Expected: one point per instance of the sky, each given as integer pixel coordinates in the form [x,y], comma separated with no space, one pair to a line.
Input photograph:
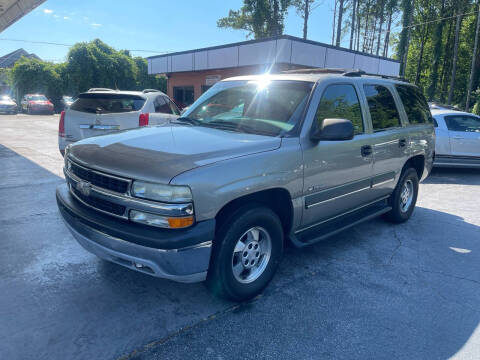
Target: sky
[155,25]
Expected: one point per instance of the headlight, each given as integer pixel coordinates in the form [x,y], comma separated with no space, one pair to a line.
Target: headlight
[160,192]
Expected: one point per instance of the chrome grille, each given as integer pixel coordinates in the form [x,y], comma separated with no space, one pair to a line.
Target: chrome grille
[100,204]
[100,180]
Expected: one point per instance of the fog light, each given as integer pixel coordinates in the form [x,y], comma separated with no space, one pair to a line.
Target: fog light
[160,221]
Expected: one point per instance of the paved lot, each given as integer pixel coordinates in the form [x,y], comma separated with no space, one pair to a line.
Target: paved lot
[377,291]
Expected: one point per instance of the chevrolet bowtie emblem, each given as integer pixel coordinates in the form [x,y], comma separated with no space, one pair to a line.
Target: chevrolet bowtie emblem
[84,187]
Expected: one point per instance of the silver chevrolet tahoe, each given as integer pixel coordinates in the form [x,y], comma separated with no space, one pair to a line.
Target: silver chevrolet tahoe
[256,163]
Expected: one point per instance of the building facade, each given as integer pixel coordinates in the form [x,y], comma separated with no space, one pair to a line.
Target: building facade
[191,73]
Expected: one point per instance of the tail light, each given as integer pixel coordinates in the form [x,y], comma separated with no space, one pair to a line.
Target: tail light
[61,125]
[143,119]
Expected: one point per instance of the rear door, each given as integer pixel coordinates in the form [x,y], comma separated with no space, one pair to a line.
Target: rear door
[94,114]
[464,133]
[390,137]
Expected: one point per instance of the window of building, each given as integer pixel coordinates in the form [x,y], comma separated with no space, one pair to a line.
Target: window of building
[383,110]
[414,104]
[183,95]
[463,123]
[340,102]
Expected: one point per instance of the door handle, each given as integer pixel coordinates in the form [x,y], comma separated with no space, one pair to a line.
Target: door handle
[458,137]
[402,142]
[366,150]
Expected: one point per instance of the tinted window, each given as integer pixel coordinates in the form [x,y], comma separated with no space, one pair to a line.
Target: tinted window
[463,123]
[161,105]
[340,102]
[383,110]
[107,103]
[414,104]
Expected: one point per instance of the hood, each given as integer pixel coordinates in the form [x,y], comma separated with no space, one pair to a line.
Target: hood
[160,153]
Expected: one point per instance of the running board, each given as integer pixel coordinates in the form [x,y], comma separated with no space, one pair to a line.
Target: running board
[331,227]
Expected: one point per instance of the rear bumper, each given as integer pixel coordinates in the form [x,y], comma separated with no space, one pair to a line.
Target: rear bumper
[187,262]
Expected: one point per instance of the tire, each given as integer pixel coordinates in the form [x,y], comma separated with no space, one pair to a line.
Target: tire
[240,230]
[403,203]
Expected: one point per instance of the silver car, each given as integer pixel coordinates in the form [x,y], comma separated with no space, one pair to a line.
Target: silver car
[102,111]
[458,138]
[255,163]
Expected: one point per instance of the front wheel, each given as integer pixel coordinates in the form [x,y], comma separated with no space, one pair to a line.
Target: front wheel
[404,197]
[246,252]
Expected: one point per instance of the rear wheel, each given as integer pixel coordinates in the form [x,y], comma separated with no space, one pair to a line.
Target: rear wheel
[247,250]
[404,198]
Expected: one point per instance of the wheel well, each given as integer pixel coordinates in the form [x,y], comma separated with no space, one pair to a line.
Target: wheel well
[277,199]
[418,163]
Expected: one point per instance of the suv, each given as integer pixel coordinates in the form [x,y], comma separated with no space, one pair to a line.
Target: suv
[255,163]
[101,111]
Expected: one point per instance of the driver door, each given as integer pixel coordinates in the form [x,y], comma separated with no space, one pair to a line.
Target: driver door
[337,173]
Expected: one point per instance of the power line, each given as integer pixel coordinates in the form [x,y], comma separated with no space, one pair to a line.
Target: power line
[70,45]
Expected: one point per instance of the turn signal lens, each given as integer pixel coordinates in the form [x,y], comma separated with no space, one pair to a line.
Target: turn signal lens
[180,222]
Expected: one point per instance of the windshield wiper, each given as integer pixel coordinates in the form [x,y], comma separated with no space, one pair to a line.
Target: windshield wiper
[233,126]
[186,120]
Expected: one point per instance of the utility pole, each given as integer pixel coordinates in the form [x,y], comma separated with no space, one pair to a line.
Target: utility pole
[472,70]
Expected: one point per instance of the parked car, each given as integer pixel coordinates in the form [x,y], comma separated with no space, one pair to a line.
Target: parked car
[36,103]
[458,139]
[294,157]
[7,105]
[101,111]
[66,102]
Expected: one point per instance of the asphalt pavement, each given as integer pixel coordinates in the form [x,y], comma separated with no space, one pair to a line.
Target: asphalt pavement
[385,291]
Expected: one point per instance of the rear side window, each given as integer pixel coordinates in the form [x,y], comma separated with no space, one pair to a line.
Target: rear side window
[383,110]
[161,104]
[463,123]
[414,104]
[107,103]
[340,102]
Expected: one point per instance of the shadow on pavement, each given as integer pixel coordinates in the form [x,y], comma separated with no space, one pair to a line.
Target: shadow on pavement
[384,291]
[454,176]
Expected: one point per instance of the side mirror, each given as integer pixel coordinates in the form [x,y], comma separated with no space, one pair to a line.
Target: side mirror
[333,130]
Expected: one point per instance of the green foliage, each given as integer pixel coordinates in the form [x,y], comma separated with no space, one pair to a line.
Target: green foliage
[36,76]
[92,64]
[262,18]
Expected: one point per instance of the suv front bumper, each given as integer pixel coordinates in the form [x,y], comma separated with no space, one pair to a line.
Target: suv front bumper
[179,255]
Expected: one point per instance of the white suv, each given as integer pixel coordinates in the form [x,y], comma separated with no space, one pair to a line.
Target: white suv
[102,111]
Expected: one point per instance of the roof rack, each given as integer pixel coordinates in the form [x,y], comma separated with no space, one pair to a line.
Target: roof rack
[150,90]
[99,89]
[340,71]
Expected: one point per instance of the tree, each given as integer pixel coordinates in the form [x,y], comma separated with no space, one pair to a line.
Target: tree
[437,53]
[30,75]
[474,57]
[304,9]
[455,55]
[403,44]
[339,23]
[262,18]
[352,26]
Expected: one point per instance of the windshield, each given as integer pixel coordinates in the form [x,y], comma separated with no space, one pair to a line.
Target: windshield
[36,98]
[262,107]
[107,103]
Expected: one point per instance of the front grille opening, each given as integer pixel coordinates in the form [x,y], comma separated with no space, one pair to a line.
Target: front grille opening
[100,203]
[103,181]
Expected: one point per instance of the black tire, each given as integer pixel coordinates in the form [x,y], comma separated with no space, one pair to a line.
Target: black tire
[221,279]
[400,212]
